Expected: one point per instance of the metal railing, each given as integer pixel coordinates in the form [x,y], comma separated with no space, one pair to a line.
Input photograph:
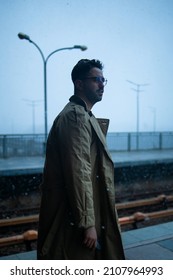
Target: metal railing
[143,141]
[33,144]
[21,145]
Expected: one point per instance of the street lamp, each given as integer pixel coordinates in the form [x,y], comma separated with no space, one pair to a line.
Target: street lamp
[45,60]
[138,90]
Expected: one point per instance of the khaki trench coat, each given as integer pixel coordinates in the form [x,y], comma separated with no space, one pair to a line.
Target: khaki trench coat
[78,189]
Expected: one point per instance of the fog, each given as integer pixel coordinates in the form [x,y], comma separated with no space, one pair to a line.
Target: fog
[133,39]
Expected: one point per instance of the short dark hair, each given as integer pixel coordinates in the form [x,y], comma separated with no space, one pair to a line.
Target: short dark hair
[83,67]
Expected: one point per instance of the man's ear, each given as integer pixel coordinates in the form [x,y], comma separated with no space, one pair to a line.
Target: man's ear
[78,84]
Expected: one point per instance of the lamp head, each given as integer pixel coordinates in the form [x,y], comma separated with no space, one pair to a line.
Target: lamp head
[82,48]
[23,36]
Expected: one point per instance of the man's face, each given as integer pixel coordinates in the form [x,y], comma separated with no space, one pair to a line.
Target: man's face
[93,87]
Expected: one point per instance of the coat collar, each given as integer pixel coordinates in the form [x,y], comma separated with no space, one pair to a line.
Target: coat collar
[76,99]
[100,126]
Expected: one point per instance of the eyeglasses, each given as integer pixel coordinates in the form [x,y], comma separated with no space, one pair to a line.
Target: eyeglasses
[97,80]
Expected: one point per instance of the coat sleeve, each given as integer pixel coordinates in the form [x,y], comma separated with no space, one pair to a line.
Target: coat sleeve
[75,136]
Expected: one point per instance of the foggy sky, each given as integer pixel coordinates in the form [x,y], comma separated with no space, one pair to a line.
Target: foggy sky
[133,39]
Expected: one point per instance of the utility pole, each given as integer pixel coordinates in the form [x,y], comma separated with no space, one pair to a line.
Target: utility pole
[153,110]
[33,104]
[138,90]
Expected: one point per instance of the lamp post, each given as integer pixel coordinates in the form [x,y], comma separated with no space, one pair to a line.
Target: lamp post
[45,60]
[138,90]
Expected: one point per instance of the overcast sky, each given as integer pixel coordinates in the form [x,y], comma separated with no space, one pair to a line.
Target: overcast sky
[133,39]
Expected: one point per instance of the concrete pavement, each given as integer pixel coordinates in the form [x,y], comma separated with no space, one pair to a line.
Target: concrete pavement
[33,165]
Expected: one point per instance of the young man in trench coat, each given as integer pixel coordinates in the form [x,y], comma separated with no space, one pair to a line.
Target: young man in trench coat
[78,219]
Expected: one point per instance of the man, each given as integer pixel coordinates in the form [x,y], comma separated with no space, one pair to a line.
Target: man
[77,214]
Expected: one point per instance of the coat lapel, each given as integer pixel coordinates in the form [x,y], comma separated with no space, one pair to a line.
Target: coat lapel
[100,126]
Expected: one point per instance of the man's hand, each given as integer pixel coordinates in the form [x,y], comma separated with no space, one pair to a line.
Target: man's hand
[90,237]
